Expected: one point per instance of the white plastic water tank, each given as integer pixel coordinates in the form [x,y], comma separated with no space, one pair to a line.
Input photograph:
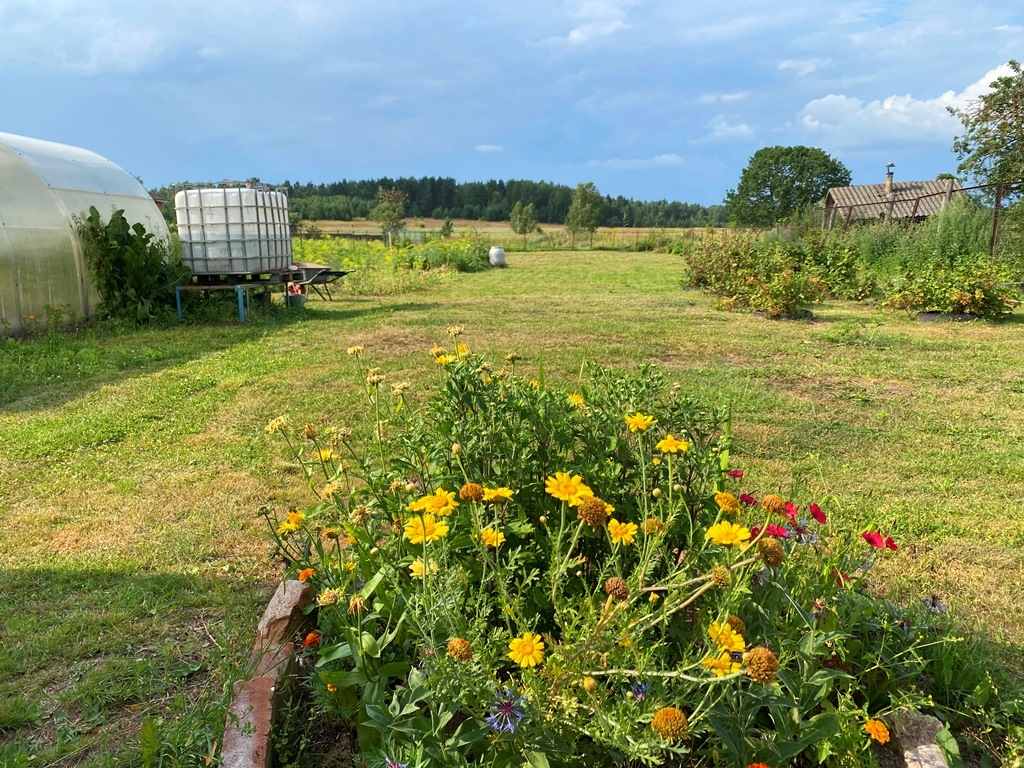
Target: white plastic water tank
[233,231]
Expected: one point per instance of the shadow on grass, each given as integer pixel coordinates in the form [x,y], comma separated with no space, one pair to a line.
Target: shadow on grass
[90,652]
[48,370]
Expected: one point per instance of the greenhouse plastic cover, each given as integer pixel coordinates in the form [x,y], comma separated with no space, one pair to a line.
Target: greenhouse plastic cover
[43,187]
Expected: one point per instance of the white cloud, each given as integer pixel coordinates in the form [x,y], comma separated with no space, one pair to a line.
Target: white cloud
[848,121]
[803,66]
[722,98]
[489,149]
[594,19]
[721,130]
[1009,28]
[633,164]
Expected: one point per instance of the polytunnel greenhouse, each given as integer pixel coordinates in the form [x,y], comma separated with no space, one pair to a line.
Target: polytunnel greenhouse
[43,187]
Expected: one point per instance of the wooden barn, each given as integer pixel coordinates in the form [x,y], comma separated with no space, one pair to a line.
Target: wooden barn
[913,200]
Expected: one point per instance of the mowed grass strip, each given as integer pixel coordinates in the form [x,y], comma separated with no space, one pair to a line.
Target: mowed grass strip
[133,473]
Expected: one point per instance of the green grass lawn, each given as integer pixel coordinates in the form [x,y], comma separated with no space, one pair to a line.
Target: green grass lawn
[134,466]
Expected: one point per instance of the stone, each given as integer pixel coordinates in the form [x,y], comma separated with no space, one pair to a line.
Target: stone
[285,612]
[250,722]
[916,734]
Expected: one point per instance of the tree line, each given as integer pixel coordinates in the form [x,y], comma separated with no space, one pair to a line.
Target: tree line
[440,198]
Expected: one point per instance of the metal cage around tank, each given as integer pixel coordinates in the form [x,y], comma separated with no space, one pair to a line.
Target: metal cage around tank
[44,186]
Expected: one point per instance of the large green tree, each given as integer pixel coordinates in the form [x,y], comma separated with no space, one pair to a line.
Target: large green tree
[584,211]
[991,149]
[779,181]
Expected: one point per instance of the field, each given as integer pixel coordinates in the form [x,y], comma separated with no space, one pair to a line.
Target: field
[135,466]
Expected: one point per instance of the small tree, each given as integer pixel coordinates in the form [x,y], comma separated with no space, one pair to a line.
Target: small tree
[523,220]
[448,227]
[779,181]
[584,212]
[389,212]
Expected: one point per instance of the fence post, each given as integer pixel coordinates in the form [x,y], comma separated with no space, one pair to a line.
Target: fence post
[995,221]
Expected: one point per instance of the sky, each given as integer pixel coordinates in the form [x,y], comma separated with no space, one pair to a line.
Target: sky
[649,100]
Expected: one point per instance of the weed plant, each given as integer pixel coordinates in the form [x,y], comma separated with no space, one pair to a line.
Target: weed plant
[516,574]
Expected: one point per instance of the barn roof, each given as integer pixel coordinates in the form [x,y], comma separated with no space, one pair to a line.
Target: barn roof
[870,201]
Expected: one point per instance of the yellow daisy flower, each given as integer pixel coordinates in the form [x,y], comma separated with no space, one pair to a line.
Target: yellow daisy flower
[527,650]
[570,489]
[621,533]
[425,528]
[639,423]
[441,503]
[670,444]
[491,537]
[728,534]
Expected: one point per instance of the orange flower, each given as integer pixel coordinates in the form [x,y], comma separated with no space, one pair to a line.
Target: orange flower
[313,638]
[876,730]
[305,573]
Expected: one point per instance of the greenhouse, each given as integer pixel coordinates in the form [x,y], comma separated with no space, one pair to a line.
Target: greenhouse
[43,187]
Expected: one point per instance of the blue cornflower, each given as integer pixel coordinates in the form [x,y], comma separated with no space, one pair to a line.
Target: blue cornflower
[932,604]
[639,691]
[506,712]
[392,763]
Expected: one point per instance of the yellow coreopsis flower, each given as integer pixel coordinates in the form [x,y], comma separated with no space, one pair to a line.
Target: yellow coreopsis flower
[292,523]
[418,569]
[721,665]
[445,359]
[425,528]
[577,400]
[670,444]
[639,423]
[621,533]
[499,495]
[726,638]
[441,503]
[326,454]
[491,537]
[570,489]
[728,534]
[527,650]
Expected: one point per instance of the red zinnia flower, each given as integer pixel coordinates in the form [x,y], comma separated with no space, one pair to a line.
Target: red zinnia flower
[735,473]
[777,530]
[313,638]
[817,514]
[746,498]
[874,538]
[890,544]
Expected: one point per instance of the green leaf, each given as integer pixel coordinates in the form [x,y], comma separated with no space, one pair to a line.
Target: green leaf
[949,748]
[150,740]
[536,759]
[368,645]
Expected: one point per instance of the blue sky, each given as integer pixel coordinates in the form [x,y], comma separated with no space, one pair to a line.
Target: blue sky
[648,100]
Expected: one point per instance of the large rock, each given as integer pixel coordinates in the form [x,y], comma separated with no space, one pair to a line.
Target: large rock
[916,734]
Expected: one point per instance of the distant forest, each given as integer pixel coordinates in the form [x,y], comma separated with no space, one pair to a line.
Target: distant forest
[438,198]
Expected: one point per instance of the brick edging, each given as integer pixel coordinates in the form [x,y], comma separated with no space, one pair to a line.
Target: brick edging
[254,708]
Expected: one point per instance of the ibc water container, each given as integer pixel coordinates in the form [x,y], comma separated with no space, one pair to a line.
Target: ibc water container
[233,231]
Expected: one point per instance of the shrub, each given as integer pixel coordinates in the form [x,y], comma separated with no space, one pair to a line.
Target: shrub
[515,574]
[971,286]
[134,272]
[747,271]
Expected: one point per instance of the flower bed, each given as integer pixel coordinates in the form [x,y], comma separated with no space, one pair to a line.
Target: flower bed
[516,574]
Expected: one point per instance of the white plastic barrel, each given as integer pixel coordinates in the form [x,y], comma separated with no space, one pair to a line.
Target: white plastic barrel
[233,231]
[497,256]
